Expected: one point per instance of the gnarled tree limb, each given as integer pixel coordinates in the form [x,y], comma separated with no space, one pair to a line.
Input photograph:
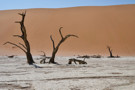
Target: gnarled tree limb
[44,58]
[55,49]
[18,36]
[52,42]
[43,53]
[61,32]
[14,45]
[23,46]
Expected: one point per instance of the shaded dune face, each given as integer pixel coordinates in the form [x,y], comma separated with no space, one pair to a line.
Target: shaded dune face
[96,26]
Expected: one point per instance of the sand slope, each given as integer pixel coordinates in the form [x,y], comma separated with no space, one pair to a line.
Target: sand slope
[96,26]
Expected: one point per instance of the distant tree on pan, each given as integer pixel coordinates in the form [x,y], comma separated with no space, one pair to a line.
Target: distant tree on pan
[110,51]
[26,46]
[55,48]
[111,55]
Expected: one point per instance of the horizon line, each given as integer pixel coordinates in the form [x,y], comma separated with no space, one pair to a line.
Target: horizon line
[69,7]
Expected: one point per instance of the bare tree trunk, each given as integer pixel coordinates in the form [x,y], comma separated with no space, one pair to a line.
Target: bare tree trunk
[110,51]
[55,49]
[53,57]
[29,58]
[26,46]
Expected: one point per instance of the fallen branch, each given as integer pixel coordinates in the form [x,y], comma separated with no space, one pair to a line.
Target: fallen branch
[76,60]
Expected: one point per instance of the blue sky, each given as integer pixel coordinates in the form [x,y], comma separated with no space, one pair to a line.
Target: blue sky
[25,4]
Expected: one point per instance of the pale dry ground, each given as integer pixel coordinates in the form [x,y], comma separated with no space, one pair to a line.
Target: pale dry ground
[98,74]
[96,26]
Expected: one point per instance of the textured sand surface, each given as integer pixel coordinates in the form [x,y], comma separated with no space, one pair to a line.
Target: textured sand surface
[97,26]
[98,74]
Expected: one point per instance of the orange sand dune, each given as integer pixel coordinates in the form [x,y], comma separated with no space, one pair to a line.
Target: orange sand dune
[96,26]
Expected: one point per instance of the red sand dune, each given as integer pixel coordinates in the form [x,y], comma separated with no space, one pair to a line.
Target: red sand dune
[96,26]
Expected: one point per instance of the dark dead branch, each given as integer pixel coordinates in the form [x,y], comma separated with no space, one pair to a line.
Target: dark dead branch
[17,21]
[55,48]
[11,56]
[60,32]
[96,56]
[44,57]
[15,45]
[17,36]
[84,56]
[76,60]
[87,56]
[52,42]
[23,46]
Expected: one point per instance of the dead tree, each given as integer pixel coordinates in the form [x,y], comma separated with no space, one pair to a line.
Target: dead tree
[110,51]
[44,58]
[26,46]
[55,49]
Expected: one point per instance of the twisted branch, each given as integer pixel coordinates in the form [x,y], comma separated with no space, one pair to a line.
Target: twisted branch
[52,42]
[23,46]
[60,32]
[55,49]
[15,45]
